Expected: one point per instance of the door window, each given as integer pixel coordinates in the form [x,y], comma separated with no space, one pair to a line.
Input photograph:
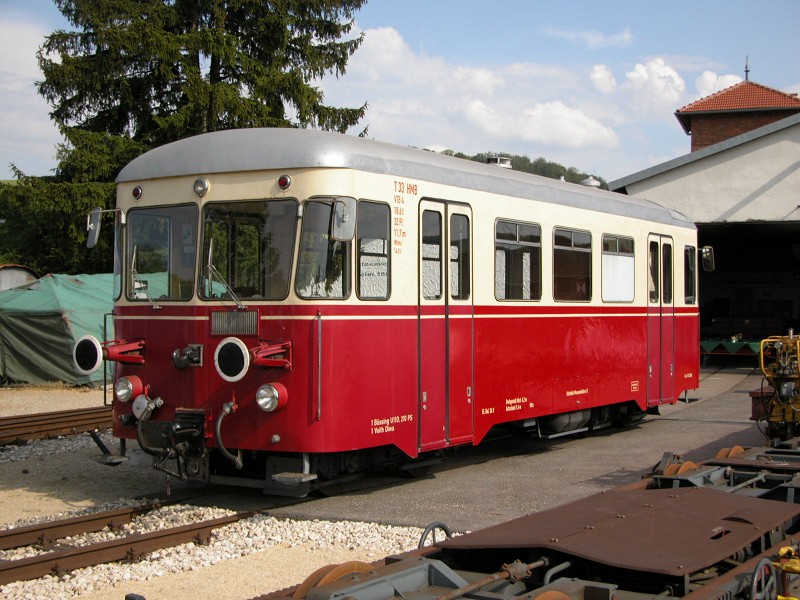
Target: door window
[459,257]
[431,255]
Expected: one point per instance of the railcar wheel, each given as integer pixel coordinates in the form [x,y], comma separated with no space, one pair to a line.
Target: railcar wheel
[764,585]
[730,452]
[736,451]
[329,574]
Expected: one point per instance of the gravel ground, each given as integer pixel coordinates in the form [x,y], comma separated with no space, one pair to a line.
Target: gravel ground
[52,479]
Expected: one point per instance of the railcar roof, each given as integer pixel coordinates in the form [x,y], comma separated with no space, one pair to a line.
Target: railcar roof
[238,150]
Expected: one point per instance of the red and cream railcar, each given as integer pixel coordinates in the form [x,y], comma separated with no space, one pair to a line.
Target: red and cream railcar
[293,306]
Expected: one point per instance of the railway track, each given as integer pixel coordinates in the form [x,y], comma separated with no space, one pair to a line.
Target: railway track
[57,557]
[52,424]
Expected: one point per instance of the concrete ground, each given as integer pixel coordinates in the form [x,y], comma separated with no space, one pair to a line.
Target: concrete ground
[511,477]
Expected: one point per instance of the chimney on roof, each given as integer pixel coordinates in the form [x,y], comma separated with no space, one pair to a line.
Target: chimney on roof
[747,68]
[737,109]
[501,161]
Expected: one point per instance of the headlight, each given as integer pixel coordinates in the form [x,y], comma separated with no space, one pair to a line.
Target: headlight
[271,397]
[127,388]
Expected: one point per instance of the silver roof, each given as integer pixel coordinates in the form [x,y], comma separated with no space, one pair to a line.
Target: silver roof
[238,150]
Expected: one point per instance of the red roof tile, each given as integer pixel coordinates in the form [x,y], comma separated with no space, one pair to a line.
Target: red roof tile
[743,96]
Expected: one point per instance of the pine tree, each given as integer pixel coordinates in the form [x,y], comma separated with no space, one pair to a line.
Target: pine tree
[135,74]
[161,70]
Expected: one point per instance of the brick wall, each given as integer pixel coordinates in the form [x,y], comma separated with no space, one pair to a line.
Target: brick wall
[710,129]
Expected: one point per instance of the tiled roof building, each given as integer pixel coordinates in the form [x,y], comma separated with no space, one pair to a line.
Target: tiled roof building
[735,110]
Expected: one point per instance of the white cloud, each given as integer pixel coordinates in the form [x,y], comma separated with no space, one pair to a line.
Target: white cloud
[595,40]
[27,136]
[19,42]
[544,123]
[477,81]
[654,87]
[708,83]
[424,101]
[603,79]
[385,57]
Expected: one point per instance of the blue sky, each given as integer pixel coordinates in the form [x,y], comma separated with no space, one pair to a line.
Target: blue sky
[588,84]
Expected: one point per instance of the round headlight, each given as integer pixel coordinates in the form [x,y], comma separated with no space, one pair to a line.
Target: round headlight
[271,397]
[123,389]
[127,387]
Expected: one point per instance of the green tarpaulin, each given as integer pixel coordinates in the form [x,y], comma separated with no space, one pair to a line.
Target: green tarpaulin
[40,322]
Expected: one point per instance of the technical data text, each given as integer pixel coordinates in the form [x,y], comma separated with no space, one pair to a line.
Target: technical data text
[403,192]
[387,425]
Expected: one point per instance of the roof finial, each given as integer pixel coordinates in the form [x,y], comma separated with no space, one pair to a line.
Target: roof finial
[747,68]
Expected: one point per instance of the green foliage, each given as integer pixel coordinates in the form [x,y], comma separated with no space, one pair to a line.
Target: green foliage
[161,70]
[94,156]
[45,225]
[540,166]
[135,74]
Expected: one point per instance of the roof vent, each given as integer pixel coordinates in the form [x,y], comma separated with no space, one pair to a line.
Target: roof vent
[500,161]
[591,182]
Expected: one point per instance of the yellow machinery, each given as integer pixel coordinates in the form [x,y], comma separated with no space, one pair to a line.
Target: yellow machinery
[779,364]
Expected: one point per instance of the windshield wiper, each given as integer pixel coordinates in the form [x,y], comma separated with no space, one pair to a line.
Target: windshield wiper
[212,271]
[141,282]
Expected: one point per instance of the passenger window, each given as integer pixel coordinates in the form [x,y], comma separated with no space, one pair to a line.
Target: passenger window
[517,261]
[572,265]
[373,251]
[618,266]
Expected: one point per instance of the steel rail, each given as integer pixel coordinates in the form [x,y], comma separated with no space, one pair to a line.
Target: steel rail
[46,533]
[52,424]
[131,547]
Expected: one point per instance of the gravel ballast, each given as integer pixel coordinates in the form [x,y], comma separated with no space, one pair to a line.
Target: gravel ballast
[50,479]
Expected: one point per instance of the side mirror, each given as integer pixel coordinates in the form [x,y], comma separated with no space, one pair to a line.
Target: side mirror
[93,226]
[707,258]
[343,227]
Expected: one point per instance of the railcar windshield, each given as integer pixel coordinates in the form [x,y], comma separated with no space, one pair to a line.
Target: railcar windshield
[251,246]
[161,253]
[322,270]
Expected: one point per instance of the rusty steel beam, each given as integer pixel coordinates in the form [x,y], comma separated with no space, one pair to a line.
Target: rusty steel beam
[52,424]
